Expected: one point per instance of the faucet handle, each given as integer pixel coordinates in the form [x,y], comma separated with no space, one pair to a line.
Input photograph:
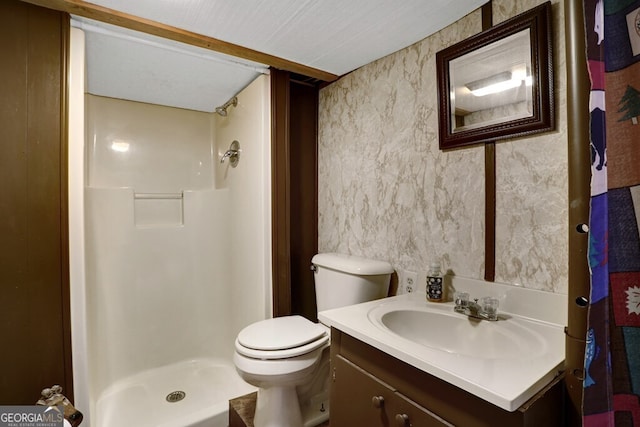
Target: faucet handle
[490,307]
[461,299]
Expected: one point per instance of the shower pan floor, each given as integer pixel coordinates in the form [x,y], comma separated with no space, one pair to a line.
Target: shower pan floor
[193,393]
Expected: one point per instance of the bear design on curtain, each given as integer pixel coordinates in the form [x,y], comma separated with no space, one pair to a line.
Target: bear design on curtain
[612,356]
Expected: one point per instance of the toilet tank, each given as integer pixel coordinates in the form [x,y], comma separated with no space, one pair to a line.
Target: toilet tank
[346,279]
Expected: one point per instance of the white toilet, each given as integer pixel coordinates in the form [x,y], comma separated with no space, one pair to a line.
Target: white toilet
[287,358]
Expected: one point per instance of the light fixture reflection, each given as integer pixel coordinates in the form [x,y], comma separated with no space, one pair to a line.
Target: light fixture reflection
[120,146]
[499,82]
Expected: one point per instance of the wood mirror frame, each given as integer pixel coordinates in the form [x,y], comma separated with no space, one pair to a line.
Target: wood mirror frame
[542,115]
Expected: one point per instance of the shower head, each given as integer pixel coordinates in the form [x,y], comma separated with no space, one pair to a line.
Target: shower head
[222,110]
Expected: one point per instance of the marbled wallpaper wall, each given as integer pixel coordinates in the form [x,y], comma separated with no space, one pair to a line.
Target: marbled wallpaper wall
[387,192]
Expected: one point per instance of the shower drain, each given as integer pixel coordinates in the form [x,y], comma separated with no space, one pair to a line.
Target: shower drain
[175,396]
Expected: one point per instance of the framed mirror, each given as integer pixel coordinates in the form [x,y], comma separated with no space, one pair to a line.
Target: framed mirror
[499,83]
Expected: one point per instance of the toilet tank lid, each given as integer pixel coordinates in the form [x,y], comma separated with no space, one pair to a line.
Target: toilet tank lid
[352,264]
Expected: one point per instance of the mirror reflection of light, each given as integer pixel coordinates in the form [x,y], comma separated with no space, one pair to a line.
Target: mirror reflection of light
[120,146]
[518,76]
[497,87]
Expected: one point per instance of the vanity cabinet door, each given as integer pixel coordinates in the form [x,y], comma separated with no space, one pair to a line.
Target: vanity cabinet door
[357,398]
[360,399]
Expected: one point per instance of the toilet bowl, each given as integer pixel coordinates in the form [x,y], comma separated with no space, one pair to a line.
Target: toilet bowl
[277,356]
[287,358]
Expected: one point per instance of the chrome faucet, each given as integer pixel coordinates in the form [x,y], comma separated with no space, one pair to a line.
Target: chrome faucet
[487,309]
[229,154]
[233,154]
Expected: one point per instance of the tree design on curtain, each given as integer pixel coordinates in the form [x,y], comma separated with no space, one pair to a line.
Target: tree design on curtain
[630,105]
[612,353]
[612,356]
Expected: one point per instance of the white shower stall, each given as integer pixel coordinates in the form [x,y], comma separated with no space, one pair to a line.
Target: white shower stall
[170,253]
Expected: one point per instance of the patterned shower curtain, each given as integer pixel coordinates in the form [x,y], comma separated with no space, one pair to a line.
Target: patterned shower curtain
[612,357]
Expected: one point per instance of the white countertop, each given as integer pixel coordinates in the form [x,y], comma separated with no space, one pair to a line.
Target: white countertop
[507,381]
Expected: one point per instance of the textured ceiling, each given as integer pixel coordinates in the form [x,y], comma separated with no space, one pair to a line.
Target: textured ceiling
[336,36]
[130,65]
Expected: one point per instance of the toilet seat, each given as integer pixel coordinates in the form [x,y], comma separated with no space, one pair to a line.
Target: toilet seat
[281,338]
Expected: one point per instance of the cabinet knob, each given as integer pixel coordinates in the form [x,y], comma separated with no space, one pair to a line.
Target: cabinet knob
[402,420]
[377,401]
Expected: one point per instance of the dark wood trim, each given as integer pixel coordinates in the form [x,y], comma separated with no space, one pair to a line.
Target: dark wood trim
[490,211]
[281,188]
[34,258]
[303,165]
[64,202]
[489,182]
[294,193]
[125,20]
[487,15]
[579,169]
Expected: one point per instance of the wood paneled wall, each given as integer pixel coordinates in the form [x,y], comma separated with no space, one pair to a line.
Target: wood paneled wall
[304,196]
[35,334]
[294,109]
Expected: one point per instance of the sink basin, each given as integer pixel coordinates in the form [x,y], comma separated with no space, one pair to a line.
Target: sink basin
[447,331]
[505,362]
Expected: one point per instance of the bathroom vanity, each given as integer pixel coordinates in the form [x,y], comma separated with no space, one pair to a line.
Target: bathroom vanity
[372,388]
[402,361]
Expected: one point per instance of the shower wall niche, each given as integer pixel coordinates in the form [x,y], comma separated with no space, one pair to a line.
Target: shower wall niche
[158,152]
